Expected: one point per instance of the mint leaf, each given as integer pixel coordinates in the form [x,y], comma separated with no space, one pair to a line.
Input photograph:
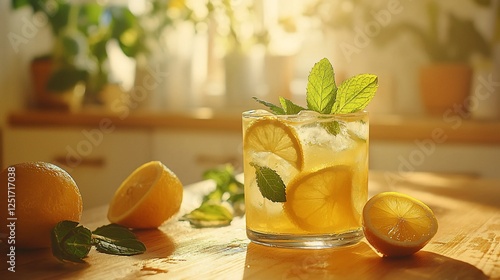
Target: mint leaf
[70,242]
[209,215]
[321,88]
[117,240]
[289,107]
[78,242]
[332,127]
[275,109]
[270,184]
[355,93]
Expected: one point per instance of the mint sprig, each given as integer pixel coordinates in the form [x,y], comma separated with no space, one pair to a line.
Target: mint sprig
[323,95]
[216,206]
[72,242]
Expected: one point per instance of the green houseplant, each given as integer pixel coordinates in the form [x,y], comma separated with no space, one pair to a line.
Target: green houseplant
[81,33]
[449,41]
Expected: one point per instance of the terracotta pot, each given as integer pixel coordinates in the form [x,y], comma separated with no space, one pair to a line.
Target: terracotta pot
[71,100]
[444,85]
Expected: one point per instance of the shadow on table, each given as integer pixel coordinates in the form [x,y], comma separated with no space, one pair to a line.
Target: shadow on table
[354,262]
[158,244]
[30,264]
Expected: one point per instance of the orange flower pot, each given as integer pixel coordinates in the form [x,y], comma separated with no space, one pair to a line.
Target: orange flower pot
[444,85]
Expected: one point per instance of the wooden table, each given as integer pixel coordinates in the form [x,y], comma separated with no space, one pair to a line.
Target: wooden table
[466,246]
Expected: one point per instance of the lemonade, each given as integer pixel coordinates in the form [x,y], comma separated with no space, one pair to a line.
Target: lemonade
[325,177]
[306,168]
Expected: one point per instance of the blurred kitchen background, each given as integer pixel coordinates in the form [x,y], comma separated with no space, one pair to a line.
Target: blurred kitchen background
[100,87]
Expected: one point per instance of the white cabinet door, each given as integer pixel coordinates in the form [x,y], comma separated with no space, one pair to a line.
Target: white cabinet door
[189,153]
[97,159]
[427,156]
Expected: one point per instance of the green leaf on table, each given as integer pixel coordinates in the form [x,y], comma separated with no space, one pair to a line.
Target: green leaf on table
[355,93]
[78,242]
[321,88]
[70,242]
[270,184]
[216,206]
[209,215]
[117,240]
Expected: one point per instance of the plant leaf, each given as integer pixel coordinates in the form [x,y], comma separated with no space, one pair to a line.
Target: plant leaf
[209,215]
[70,242]
[123,247]
[114,231]
[332,127]
[289,107]
[355,93]
[117,240]
[77,242]
[275,109]
[321,88]
[270,184]
[65,79]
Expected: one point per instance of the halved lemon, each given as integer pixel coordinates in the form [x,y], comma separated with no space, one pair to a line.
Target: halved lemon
[274,136]
[396,224]
[321,201]
[148,197]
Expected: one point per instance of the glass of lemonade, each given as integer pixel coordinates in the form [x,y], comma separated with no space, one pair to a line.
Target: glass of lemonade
[306,178]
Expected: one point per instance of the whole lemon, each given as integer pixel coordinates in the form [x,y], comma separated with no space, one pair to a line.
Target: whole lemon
[34,197]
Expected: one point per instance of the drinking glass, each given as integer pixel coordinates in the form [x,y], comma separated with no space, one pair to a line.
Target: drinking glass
[306,178]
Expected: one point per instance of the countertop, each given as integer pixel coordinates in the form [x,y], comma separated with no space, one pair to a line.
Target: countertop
[466,246]
[390,127]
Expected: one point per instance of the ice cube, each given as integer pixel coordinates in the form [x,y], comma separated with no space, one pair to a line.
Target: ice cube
[307,116]
[357,130]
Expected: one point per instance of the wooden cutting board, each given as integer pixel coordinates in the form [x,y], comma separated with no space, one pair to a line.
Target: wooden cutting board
[466,246]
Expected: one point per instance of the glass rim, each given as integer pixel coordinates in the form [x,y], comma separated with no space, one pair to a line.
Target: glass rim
[265,113]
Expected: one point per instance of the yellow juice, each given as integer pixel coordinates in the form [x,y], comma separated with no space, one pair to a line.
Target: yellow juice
[322,161]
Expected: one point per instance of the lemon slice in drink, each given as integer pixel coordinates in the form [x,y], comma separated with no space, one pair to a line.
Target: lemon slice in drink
[148,197]
[398,225]
[321,201]
[272,135]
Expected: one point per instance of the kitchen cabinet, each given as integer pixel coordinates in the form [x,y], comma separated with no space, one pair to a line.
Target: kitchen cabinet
[98,158]
[188,153]
[426,155]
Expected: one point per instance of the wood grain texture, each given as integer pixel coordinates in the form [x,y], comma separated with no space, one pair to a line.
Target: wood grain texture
[466,246]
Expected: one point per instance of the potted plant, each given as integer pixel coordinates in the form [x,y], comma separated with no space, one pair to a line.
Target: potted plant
[447,79]
[81,33]
[238,25]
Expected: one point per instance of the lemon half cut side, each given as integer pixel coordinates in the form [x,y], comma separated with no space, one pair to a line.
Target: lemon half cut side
[396,224]
[148,197]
